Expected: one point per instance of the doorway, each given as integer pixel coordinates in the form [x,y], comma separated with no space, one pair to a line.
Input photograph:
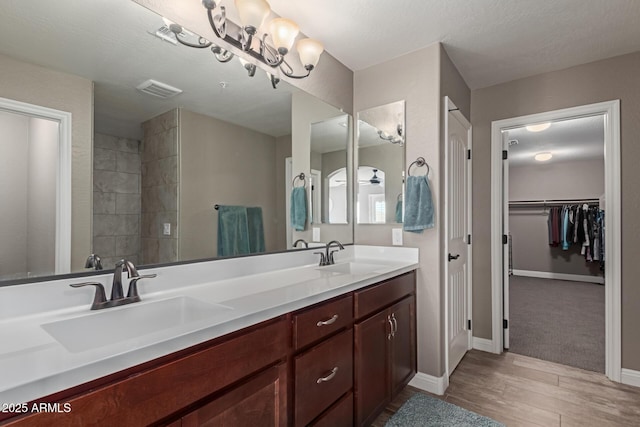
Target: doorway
[554,293]
[37,148]
[609,111]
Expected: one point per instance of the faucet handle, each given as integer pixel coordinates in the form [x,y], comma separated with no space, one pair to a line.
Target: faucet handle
[323,258]
[133,286]
[100,297]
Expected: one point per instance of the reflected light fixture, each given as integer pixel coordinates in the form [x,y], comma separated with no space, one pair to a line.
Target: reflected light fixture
[244,36]
[374,179]
[543,157]
[539,127]
[394,139]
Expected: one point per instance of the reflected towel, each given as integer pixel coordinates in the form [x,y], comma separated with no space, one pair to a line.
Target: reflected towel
[298,209]
[399,212]
[256,230]
[418,205]
[233,231]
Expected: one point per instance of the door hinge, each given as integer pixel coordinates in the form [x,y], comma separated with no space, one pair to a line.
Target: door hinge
[505,154]
[505,239]
[468,239]
[469,324]
[468,154]
[505,324]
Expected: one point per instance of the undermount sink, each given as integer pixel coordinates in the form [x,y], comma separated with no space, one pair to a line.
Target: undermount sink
[354,268]
[109,326]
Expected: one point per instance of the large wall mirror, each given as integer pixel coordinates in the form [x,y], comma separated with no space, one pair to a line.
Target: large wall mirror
[380,172]
[168,144]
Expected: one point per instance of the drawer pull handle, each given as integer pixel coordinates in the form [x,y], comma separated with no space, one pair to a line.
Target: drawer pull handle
[327,322]
[395,324]
[391,332]
[328,377]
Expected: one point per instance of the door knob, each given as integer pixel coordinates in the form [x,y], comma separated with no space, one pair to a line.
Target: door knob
[452,257]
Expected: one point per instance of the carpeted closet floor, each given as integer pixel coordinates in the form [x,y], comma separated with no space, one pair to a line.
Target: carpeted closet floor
[558,320]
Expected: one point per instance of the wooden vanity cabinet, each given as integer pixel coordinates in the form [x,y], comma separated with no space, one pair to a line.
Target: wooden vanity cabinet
[385,344]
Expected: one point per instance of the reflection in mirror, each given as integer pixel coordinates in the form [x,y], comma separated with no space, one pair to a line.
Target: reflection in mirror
[150,162]
[380,164]
[329,143]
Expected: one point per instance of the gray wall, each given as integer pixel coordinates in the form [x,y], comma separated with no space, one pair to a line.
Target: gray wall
[41,208]
[159,204]
[28,166]
[388,158]
[225,164]
[283,150]
[40,86]
[13,190]
[614,78]
[421,78]
[116,199]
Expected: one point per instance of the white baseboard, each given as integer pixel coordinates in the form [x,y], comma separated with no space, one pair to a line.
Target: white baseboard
[434,385]
[483,344]
[559,276]
[630,377]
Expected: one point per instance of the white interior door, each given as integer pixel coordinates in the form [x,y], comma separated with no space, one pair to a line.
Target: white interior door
[457,226]
[505,232]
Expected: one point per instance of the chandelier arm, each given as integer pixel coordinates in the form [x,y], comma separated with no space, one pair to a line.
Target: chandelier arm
[274,59]
[289,71]
[222,55]
[219,27]
[202,42]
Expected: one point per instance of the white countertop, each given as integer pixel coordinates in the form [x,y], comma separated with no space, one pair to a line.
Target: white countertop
[33,364]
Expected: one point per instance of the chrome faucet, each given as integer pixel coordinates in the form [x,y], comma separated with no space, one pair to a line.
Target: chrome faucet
[326,257]
[117,293]
[295,244]
[93,261]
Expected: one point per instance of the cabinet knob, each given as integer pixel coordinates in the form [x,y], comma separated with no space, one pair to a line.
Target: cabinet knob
[328,322]
[328,377]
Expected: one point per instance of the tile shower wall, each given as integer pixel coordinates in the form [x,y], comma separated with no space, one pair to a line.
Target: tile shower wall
[116,199]
[160,188]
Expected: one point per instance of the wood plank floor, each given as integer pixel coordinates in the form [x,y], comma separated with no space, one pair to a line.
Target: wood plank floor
[521,391]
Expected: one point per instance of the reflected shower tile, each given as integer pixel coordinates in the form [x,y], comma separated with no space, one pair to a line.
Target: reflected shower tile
[105,225]
[168,250]
[104,203]
[115,182]
[127,245]
[128,162]
[105,246]
[127,203]
[104,159]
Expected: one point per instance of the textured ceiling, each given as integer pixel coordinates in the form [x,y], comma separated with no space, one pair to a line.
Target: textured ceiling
[568,140]
[489,41]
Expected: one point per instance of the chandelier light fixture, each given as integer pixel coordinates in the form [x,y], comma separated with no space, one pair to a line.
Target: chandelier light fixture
[282,34]
[394,139]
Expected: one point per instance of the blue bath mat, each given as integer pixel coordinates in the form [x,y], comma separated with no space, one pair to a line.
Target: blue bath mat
[424,411]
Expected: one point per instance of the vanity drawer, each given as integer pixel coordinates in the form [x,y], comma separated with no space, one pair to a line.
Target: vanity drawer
[377,297]
[311,325]
[322,375]
[339,415]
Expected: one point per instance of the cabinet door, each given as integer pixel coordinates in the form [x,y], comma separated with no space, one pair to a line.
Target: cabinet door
[372,386]
[259,402]
[403,344]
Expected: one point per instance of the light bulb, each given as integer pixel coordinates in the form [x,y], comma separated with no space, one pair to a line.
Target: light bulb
[309,51]
[283,33]
[252,13]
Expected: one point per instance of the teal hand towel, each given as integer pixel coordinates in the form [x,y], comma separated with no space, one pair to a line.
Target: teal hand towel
[399,212]
[233,232]
[418,205]
[256,230]
[298,208]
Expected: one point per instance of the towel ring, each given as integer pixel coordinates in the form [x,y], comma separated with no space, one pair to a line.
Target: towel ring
[301,177]
[420,161]
[399,197]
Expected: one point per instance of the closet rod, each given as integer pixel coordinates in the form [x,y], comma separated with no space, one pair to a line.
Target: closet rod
[523,203]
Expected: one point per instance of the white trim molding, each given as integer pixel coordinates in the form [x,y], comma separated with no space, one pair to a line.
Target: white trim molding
[63,175]
[610,110]
[483,344]
[431,384]
[630,377]
[560,276]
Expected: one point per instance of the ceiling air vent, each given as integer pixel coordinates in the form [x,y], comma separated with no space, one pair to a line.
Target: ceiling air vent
[155,88]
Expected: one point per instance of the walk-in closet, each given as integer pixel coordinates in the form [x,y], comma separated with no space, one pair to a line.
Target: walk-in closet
[557,256]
